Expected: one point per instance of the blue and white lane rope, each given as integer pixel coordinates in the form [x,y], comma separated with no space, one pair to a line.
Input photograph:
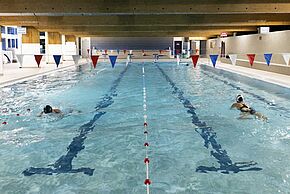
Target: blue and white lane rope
[147,181]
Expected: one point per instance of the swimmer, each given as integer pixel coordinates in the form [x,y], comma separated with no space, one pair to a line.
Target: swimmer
[246,110]
[48,109]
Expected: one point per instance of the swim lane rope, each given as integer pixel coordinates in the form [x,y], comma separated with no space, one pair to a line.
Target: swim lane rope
[147,181]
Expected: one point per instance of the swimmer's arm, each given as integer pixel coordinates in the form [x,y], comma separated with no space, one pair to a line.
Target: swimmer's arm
[56,110]
[40,114]
[234,106]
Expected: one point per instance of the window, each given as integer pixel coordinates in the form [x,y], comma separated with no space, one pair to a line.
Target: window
[3,29]
[11,30]
[3,44]
[41,33]
[42,46]
[13,43]
[9,43]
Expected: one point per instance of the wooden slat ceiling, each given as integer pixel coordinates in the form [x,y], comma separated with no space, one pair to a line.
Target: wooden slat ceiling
[145,17]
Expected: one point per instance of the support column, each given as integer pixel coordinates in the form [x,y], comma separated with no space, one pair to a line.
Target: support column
[31,41]
[1,55]
[69,47]
[54,46]
[30,45]
[85,44]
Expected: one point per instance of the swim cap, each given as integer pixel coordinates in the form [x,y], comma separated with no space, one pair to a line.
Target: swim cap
[47,109]
[239,98]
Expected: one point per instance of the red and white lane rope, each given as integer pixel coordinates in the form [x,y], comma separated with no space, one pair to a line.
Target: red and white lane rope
[147,181]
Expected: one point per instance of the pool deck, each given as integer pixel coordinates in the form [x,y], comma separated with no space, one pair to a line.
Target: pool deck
[12,73]
[274,78]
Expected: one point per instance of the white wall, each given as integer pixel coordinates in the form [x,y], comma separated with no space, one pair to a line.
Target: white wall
[86,44]
[53,49]
[29,50]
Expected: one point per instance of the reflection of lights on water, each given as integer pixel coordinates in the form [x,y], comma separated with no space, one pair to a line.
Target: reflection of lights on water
[15,137]
[272,102]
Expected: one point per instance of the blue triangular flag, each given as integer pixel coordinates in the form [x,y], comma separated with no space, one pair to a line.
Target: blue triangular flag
[57,59]
[118,51]
[268,58]
[113,59]
[213,59]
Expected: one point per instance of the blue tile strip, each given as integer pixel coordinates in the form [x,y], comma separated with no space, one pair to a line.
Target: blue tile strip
[64,163]
[209,136]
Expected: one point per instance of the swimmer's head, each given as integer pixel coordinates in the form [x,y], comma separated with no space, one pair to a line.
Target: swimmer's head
[239,98]
[47,109]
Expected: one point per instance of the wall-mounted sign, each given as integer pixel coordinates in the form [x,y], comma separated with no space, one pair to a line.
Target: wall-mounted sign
[224,34]
[21,30]
[264,30]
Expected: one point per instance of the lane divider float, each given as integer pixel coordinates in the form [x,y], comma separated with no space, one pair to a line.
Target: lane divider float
[147,181]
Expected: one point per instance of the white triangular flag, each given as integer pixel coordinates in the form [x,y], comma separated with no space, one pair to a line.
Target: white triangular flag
[233,59]
[20,59]
[76,59]
[131,52]
[286,57]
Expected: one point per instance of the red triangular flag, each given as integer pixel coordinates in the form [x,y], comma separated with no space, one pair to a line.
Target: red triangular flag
[125,52]
[106,51]
[95,60]
[160,51]
[38,59]
[251,58]
[194,59]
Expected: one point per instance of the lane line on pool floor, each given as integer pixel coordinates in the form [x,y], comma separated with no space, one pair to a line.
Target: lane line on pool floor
[147,181]
[209,136]
[64,163]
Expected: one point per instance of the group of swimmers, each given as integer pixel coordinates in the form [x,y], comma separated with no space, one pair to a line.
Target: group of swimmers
[246,110]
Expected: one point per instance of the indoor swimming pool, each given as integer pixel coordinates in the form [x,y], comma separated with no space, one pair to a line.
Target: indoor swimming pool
[197,143]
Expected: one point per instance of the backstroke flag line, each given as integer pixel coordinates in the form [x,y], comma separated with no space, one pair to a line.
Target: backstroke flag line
[233,59]
[213,59]
[268,58]
[286,57]
[113,60]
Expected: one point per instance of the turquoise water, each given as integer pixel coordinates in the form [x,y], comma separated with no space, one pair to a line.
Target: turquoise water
[179,100]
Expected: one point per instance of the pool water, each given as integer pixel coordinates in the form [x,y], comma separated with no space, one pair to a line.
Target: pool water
[197,144]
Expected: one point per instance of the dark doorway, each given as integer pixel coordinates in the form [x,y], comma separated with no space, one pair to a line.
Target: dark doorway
[178,47]
[223,49]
